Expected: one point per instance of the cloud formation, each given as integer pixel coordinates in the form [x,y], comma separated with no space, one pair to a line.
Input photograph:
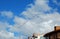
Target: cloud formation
[33,20]
[36,20]
[7,14]
[8,35]
[4,34]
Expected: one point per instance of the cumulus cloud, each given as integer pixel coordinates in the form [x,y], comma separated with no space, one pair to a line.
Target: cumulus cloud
[4,25]
[36,20]
[7,35]
[4,34]
[42,24]
[7,14]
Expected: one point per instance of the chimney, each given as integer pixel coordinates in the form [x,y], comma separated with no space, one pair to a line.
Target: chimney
[57,28]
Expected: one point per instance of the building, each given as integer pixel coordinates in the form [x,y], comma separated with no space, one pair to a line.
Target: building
[35,36]
[54,34]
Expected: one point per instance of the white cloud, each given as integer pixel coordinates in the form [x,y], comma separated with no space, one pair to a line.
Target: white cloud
[4,25]
[20,21]
[7,35]
[37,21]
[4,34]
[8,14]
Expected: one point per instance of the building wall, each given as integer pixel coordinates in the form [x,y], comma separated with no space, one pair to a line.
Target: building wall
[55,34]
[57,28]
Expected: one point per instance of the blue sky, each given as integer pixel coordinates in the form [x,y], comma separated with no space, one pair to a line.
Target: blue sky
[54,5]
[21,18]
[16,6]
